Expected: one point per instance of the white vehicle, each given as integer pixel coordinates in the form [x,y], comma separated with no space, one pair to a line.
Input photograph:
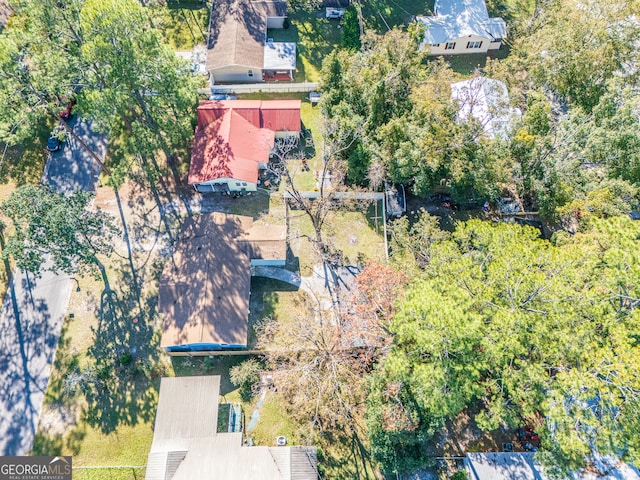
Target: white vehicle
[335,13]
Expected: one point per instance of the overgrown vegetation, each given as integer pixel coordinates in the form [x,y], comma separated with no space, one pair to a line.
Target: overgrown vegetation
[574,149]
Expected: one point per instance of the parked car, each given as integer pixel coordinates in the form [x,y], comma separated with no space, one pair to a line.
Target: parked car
[68,112]
[56,138]
[53,143]
[334,13]
[396,200]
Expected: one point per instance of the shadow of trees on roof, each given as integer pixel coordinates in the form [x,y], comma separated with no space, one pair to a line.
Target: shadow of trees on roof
[230,16]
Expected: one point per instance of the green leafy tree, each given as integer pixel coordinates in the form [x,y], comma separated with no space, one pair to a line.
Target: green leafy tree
[521,329]
[57,232]
[246,376]
[351,29]
[576,47]
[368,89]
[137,84]
[111,58]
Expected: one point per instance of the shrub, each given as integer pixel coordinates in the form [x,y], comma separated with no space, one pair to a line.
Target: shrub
[246,376]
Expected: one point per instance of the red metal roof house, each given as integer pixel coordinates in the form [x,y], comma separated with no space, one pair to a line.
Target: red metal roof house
[233,141]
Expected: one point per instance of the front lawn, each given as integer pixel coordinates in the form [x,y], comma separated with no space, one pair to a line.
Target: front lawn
[101,398]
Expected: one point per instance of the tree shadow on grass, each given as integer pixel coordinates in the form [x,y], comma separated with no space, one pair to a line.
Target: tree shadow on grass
[345,456]
[123,390]
[24,163]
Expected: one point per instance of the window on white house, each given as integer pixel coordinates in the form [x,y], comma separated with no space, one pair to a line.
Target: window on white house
[437,45]
[244,184]
[474,44]
[450,45]
[249,73]
[237,184]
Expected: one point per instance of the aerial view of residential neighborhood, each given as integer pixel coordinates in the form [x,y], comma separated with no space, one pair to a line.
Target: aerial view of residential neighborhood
[320,239]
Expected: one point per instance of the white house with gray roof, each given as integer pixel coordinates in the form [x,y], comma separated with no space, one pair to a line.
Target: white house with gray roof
[239,50]
[461,26]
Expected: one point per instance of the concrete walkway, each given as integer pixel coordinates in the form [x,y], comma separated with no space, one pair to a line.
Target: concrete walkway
[34,308]
[277,273]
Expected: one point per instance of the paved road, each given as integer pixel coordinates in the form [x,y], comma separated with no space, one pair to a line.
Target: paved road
[34,309]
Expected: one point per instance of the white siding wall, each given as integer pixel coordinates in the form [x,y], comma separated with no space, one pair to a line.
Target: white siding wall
[234,185]
[461,46]
[236,73]
[275,22]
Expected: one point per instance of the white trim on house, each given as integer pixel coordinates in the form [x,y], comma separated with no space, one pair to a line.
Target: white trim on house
[461,26]
[231,184]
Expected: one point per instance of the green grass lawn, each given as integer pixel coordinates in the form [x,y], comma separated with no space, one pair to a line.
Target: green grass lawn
[352,232]
[381,15]
[315,38]
[274,422]
[113,424]
[183,24]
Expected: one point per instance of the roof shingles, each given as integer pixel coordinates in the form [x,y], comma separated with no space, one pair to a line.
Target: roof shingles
[237,32]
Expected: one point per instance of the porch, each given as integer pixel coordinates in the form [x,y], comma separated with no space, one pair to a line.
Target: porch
[277,76]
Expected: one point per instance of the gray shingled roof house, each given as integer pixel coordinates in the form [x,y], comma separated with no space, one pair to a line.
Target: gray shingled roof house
[186,444]
[204,289]
[239,50]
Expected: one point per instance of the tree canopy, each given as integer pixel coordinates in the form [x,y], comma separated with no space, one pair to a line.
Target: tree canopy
[572,71]
[106,55]
[523,329]
[56,232]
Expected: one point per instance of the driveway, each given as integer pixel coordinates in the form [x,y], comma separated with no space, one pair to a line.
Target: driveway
[72,168]
[34,309]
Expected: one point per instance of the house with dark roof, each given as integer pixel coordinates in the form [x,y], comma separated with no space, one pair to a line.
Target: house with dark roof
[461,26]
[204,290]
[233,142]
[239,50]
[189,443]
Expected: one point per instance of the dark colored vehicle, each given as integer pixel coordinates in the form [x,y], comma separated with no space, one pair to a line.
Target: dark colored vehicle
[53,143]
[67,113]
